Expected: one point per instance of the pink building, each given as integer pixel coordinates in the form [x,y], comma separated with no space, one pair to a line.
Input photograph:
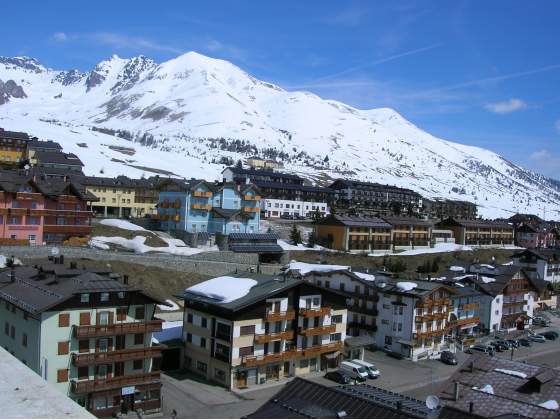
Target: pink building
[541,236]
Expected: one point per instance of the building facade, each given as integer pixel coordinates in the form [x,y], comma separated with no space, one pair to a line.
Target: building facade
[541,264]
[13,147]
[293,209]
[84,331]
[479,232]
[410,232]
[440,208]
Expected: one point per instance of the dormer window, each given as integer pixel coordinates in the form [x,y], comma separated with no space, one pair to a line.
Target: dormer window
[84,298]
[104,297]
[121,295]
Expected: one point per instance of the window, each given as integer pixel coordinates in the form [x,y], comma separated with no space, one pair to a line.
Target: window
[83,346]
[83,372]
[334,337]
[139,313]
[316,301]
[7,328]
[399,326]
[303,363]
[121,295]
[319,283]
[104,297]
[189,338]
[204,323]
[25,315]
[247,330]
[62,375]
[138,338]
[388,340]
[121,314]
[24,340]
[327,284]
[336,319]
[138,364]
[103,318]
[63,320]
[385,321]
[203,342]
[84,298]
[63,347]
[85,318]
[189,318]
[203,367]
[342,287]
[246,351]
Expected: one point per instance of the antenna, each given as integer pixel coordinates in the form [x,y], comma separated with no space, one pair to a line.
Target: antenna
[432,402]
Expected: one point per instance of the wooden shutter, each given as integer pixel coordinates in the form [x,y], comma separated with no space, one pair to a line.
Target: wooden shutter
[111,318]
[97,316]
[121,314]
[110,344]
[85,318]
[97,345]
[64,320]
[62,375]
[63,347]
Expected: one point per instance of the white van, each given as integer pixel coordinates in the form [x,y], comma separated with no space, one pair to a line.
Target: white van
[356,372]
[372,371]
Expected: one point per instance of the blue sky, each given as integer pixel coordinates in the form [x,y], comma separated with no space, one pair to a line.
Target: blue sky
[477,72]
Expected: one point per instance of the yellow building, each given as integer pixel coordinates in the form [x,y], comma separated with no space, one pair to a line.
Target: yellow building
[123,196]
[256,162]
[13,147]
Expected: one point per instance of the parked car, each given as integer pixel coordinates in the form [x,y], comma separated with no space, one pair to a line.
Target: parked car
[499,346]
[372,371]
[537,338]
[448,358]
[524,342]
[550,335]
[338,377]
[481,348]
[356,372]
[513,343]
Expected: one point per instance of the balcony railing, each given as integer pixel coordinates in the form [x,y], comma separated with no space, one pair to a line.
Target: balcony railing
[515,303]
[323,348]
[251,209]
[267,358]
[464,321]
[280,316]
[84,387]
[86,359]
[28,196]
[204,194]
[71,229]
[267,338]
[117,329]
[468,306]
[321,330]
[313,312]
[199,206]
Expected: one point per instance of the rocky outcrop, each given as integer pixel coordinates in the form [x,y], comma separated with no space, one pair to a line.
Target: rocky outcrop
[10,89]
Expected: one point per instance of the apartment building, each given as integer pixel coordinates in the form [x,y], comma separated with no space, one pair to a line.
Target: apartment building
[354,234]
[410,232]
[246,330]
[123,196]
[36,210]
[58,160]
[35,145]
[257,162]
[440,208]
[479,232]
[293,209]
[197,206]
[13,146]
[86,331]
[544,235]
[541,263]
[413,318]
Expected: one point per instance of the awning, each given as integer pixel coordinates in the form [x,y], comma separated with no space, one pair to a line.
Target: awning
[406,342]
[332,355]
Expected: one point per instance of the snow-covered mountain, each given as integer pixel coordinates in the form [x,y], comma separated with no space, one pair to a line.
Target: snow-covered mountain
[191,115]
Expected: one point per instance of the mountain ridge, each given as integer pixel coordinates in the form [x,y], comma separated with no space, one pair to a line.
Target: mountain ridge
[192,114]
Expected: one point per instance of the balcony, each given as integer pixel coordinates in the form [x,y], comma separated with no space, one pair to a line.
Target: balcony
[69,229]
[430,333]
[468,306]
[280,316]
[267,338]
[164,204]
[177,218]
[199,206]
[320,349]
[202,194]
[28,196]
[267,358]
[117,329]
[68,199]
[251,209]
[85,387]
[464,321]
[313,312]
[515,303]
[61,213]
[87,359]
[321,330]
[18,212]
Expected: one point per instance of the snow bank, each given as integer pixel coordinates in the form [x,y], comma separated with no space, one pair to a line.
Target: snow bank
[171,306]
[405,286]
[512,373]
[305,268]
[121,224]
[171,330]
[457,268]
[299,247]
[491,267]
[488,389]
[137,244]
[466,276]
[487,279]
[224,289]
[508,263]
[550,405]
[365,276]
[442,247]
[4,261]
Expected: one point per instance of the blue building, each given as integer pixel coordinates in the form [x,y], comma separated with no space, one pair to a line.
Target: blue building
[199,206]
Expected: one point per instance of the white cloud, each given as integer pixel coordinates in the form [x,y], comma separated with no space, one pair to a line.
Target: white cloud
[59,37]
[540,155]
[557,125]
[506,107]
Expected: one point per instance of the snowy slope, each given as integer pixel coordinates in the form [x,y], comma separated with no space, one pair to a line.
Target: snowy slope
[185,116]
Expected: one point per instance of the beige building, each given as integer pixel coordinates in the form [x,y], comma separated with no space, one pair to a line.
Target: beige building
[256,162]
[244,332]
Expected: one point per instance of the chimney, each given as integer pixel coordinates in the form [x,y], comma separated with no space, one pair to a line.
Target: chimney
[471,408]
[456,391]
[125,278]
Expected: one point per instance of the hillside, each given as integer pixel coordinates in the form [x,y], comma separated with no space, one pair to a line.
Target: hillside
[191,115]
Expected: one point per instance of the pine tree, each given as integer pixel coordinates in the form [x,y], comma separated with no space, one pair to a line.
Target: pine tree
[295,235]
[311,240]
[435,266]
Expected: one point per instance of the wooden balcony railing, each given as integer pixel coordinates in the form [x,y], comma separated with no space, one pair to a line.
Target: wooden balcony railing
[430,333]
[204,194]
[68,199]
[117,329]
[267,358]
[70,229]
[464,321]
[267,338]
[18,212]
[468,306]
[164,204]
[515,303]
[199,206]
[251,209]
[313,312]
[324,348]
[84,387]
[280,316]
[321,330]
[87,359]
[28,196]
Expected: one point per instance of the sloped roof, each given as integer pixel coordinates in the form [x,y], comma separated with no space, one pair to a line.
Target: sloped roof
[59,158]
[475,223]
[354,221]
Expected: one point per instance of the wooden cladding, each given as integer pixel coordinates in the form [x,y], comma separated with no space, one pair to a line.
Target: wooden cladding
[321,330]
[117,329]
[63,347]
[313,312]
[115,356]
[63,320]
[272,316]
[267,338]
[84,387]
[85,318]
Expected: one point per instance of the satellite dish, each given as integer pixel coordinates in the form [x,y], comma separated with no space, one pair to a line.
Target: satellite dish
[432,402]
[55,251]
[27,167]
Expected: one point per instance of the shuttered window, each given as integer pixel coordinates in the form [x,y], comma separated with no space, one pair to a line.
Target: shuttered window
[63,347]
[62,375]
[85,318]
[64,320]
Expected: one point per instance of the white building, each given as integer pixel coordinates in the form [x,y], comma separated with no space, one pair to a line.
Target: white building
[274,208]
[541,264]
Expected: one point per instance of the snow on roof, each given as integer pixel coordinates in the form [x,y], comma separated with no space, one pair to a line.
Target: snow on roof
[512,373]
[122,224]
[405,286]
[459,285]
[305,268]
[457,268]
[365,276]
[487,279]
[487,266]
[466,276]
[224,289]
[488,389]
[550,405]
[171,306]
[508,263]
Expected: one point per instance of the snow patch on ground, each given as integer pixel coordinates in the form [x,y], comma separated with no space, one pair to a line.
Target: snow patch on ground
[508,263]
[512,373]
[487,279]
[137,245]
[406,286]
[224,289]
[121,224]
[550,405]
[444,247]
[457,268]
[305,268]
[459,285]
[171,306]
[286,246]
[488,389]
[4,261]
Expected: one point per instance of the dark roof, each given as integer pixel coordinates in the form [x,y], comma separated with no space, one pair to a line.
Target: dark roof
[513,396]
[422,288]
[545,254]
[253,236]
[120,181]
[354,221]
[286,186]
[16,135]
[225,213]
[48,144]
[408,221]
[301,398]
[58,158]
[262,172]
[475,223]
[257,248]
[352,183]
[36,289]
